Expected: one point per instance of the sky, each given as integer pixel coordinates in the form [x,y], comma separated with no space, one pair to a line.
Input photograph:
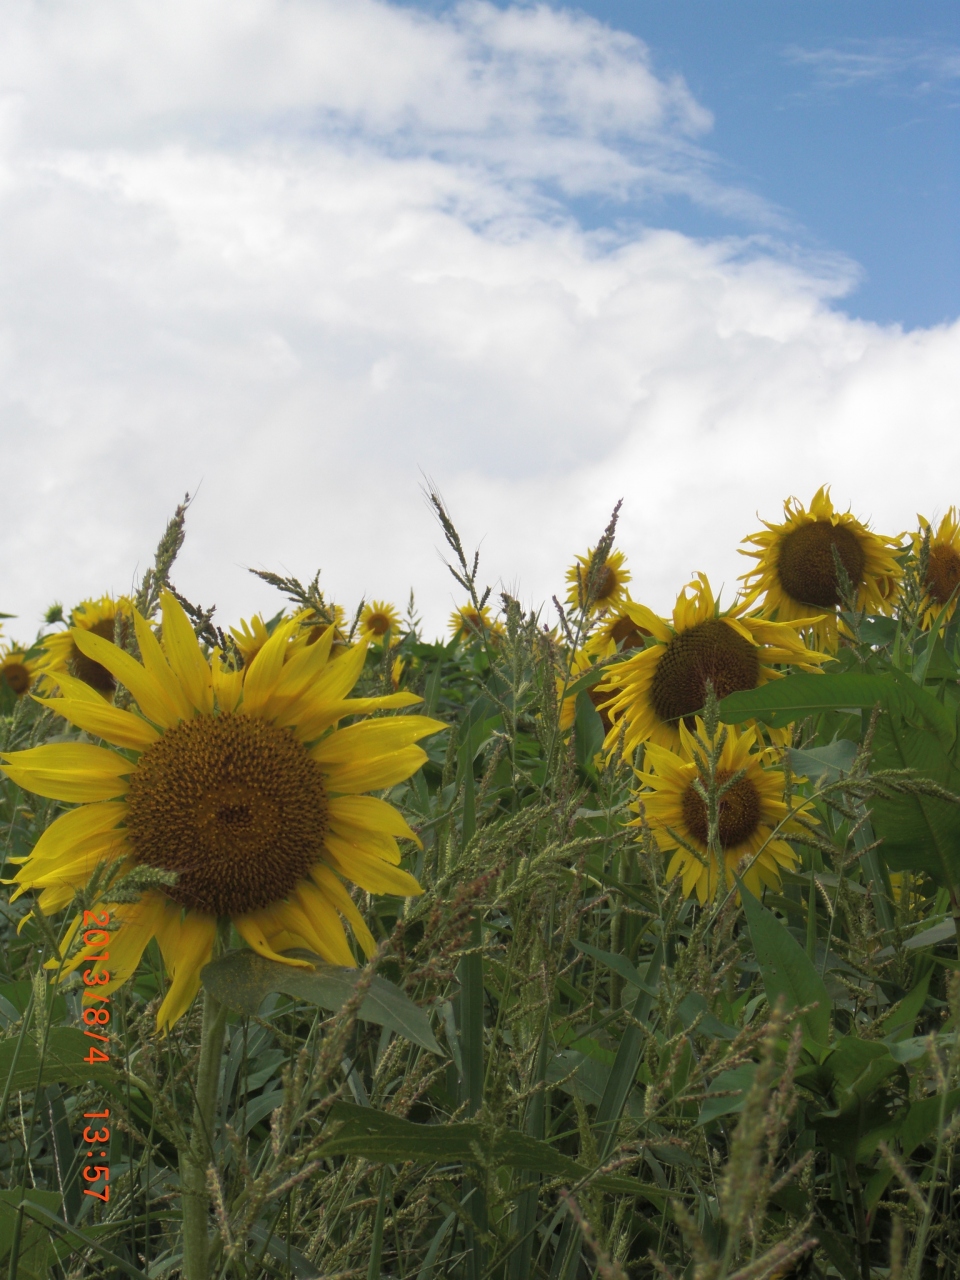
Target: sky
[296,256]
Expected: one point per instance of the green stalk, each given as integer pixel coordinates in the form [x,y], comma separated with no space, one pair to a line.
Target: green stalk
[195,1198]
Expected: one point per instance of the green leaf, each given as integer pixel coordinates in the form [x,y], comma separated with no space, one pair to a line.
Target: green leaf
[588,732]
[919,833]
[782,701]
[242,979]
[619,964]
[35,1255]
[735,1083]
[786,969]
[377,1136]
[62,1061]
[825,763]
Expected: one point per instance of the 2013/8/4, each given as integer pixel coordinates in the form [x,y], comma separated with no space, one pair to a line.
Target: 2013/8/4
[96,1017]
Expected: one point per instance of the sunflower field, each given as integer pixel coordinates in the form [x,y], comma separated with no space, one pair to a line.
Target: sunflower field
[578,943]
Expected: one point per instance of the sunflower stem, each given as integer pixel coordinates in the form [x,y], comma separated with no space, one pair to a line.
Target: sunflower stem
[195,1198]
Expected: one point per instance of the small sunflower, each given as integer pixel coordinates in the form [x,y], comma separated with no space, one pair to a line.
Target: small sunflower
[619,631]
[753,814]
[796,571]
[943,567]
[17,671]
[64,656]
[665,683]
[610,587]
[250,637]
[240,782]
[471,624]
[377,619]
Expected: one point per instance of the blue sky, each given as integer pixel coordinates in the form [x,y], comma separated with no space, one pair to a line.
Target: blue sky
[296,254]
[844,113]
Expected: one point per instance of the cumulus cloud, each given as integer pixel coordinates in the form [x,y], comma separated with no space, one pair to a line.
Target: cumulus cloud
[300,253]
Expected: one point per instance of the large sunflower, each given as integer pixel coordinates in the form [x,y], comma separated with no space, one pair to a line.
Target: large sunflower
[17,671]
[796,571]
[753,814]
[240,782]
[610,586]
[943,567]
[63,655]
[666,682]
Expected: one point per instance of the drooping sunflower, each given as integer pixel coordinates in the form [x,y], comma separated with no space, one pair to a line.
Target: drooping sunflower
[377,619]
[17,670]
[796,572]
[943,567]
[753,814]
[610,587]
[240,782]
[665,683]
[64,656]
[470,624]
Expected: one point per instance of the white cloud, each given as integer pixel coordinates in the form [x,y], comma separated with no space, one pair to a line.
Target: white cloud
[300,252]
[916,67]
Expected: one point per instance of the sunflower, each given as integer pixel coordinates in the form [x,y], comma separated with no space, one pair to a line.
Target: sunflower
[469,623]
[619,631]
[377,619]
[796,570]
[17,671]
[609,588]
[666,682]
[943,567]
[239,782]
[753,813]
[64,656]
[250,637]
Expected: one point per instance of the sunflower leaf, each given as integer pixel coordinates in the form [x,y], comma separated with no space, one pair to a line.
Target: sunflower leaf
[242,979]
[802,694]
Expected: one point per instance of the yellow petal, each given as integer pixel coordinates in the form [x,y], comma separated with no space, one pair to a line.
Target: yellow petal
[156,664]
[376,774]
[149,695]
[72,828]
[367,813]
[72,771]
[327,886]
[227,685]
[70,687]
[260,678]
[321,928]
[369,871]
[122,728]
[371,738]
[250,928]
[138,922]
[184,654]
[186,944]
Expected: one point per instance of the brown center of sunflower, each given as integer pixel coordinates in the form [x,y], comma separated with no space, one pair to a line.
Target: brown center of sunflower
[606,583]
[234,806]
[86,669]
[738,812]
[806,566]
[379,624]
[710,650]
[17,677]
[626,634]
[943,572]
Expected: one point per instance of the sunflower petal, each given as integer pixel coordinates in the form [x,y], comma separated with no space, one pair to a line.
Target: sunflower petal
[260,678]
[371,738]
[186,944]
[155,662]
[184,654]
[149,695]
[326,886]
[71,771]
[121,728]
[367,813]
[250,928]
[368,871]
[377,774]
